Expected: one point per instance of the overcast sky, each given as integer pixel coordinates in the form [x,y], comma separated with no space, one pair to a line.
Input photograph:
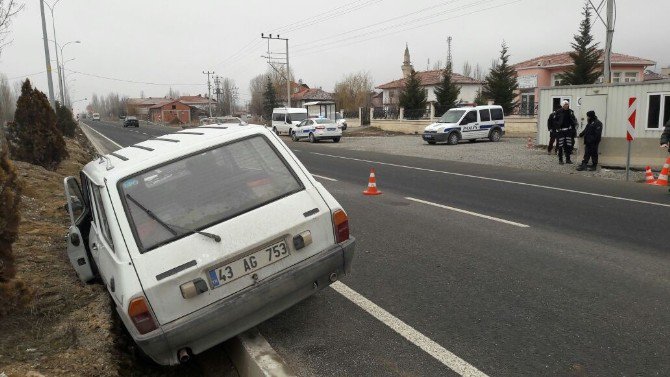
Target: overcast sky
[171,43]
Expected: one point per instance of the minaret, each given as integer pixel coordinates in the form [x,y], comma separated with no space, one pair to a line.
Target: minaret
[407,64]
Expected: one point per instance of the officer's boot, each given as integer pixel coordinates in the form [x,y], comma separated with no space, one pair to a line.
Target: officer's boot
[581,167]
[593,167]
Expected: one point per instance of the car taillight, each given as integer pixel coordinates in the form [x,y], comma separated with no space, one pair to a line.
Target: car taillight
[139,313]
[320,127]
[341,224]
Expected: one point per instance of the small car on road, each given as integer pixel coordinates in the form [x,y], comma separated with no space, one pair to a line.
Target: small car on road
[95,116]
[131,121]
[341,121]
[467,123]
[204,233]
[317,129]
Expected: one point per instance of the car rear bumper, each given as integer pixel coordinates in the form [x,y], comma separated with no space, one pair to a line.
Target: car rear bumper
[241,311]
[327,134]
[438,137]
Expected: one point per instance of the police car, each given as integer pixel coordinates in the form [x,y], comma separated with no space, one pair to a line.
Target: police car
[317,129]
[467,123]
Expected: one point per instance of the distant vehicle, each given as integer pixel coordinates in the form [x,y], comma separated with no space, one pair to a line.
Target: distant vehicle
[95,116]
[339,119]
[122,117]
[285,119]
[199,242]
[231,120]
[131,121]
[467,123]
[317,129]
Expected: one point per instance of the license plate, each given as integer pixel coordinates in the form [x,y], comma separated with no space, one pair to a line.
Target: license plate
[249,264]
[331,129]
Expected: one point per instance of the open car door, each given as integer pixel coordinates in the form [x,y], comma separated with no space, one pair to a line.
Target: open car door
[76,249]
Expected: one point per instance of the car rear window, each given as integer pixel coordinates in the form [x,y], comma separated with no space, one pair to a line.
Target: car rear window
[201,190]
[497,114]
[323,121]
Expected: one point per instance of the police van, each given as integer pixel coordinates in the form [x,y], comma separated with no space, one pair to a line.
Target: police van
[285,119]
[467,123]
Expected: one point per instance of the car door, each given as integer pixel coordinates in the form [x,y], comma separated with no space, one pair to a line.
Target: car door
[485,123]
[298,129]
[80,214]
[470,125]
[100,240]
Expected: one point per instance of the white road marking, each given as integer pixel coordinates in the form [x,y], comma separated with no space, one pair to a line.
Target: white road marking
[469,213]
[296,150]
[326,178]
[498,180]
[144,133]
[435,350]
[110,140]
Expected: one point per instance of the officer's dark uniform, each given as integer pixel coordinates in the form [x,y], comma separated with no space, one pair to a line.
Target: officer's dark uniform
[665,136]
[566,129]
[592,135]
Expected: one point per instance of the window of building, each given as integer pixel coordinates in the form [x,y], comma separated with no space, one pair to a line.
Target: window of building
[618,77]
[658,111]
[174,107]
[556,79]
[556,102]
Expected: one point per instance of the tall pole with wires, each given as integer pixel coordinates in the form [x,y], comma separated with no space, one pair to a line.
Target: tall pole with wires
[608,42]
[209,91]
[272,63]
[46,55]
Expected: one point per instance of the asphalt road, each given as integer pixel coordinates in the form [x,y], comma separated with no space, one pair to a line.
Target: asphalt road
[531,275]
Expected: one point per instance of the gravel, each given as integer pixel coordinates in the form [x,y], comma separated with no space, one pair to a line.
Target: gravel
[510,152]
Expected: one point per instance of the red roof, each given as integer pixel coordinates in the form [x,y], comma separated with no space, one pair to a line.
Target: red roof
[429,78]
[162,104]
[312,95]
[195,100]
[563,59]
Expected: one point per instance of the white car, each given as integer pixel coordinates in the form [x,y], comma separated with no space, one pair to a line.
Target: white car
[317,129]
[467,123]
[96,116]
[201,234]
[341,121]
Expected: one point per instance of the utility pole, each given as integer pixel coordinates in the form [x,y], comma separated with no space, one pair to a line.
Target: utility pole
[46,55]
[58,67]
[608,43]
[217,91]
[449,62]
[209,91]
[288,69]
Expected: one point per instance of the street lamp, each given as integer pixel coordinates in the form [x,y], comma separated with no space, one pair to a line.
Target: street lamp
[61,66]
[53,26]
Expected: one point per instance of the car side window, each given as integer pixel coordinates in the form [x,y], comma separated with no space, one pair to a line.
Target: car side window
[102,222]
[497,114]
[484,115]
[470,117]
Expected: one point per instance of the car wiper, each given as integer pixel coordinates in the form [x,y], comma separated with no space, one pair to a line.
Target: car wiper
[171,227]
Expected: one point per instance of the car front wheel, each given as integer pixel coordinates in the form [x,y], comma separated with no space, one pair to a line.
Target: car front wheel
[336,140]
[294,137]
[312,139]
[453,139]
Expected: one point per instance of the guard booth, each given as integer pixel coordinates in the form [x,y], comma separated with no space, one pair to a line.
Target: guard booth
[322,109]
[610,102]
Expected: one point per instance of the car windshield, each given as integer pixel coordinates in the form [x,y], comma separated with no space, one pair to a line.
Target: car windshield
[451,116]
[297,117]
[323,121]
[202,190]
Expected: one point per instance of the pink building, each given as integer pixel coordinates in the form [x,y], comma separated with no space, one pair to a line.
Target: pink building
[545,71]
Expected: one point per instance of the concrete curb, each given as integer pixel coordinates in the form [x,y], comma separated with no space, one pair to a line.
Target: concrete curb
[251,354]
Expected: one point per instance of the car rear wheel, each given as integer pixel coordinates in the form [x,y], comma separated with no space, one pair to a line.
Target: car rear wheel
[336,140]
[495,135]
[453,139]
[473,140]
[312,139]
[431,142]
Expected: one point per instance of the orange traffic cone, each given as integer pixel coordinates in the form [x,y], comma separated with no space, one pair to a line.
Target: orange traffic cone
[372,185]
[649,176]
[663,177]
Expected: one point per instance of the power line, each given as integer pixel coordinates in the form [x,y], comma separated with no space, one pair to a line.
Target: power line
[349,42]
[132,81]
[26,75]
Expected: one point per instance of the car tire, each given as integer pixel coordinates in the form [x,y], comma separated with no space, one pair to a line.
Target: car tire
[432,142]
[344,127]
[495,135]
[473,140]
[294,136]
[312,138]
[336,140]
[453,138]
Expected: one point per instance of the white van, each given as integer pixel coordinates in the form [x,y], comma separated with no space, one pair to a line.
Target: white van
[284,119]
[96,116]
[467,123]
[204,233]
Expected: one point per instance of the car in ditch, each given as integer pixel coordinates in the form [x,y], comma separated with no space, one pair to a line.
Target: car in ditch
[202,234]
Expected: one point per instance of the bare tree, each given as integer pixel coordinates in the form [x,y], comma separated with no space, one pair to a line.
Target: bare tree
[353,91]
[7,100]
[256,88]
[173,94]
[478,73]
[278,77]
[467,69]
[228,96]
[8,9]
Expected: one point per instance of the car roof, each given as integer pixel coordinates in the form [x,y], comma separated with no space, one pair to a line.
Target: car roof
[137,157]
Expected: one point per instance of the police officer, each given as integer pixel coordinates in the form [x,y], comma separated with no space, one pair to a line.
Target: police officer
[591,134]
[565,124]
[665,136]
[551,127]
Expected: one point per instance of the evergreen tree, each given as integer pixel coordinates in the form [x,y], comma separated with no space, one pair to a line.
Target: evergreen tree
[586,56]
[269,99]
[33,136]
[413,96]
[65,121]
[446,93]
[479,98]
[500,84]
